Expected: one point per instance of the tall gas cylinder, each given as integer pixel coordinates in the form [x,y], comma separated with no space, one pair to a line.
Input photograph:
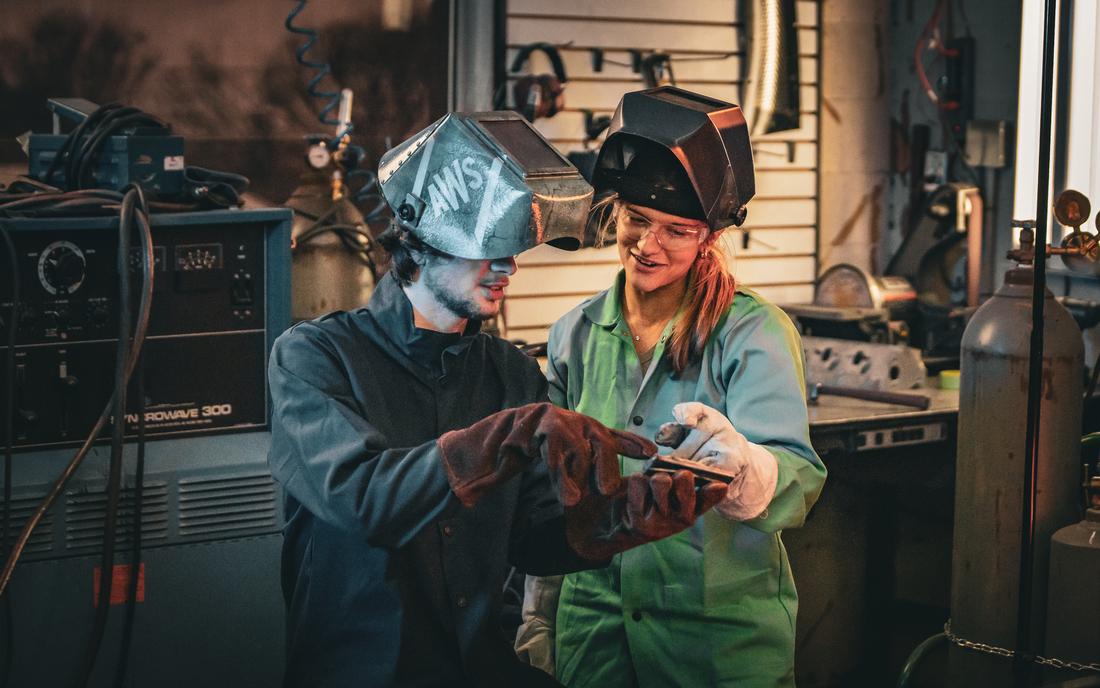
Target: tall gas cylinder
[989,475]
[1073,605]
[328,271]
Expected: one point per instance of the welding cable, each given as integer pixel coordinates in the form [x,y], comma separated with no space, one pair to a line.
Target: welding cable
[82,148]
[9,443]
[72,142]
[376,213]
[135,549]
[127,218]
[24,184]
[118,432]
[369,189]
[322,70]
[76,207]
[139,472]
[28,203]
[73,138]
[140,328]
[82,144]
[111,125]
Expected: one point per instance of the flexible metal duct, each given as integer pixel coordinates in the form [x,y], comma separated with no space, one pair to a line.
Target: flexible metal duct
[770,94]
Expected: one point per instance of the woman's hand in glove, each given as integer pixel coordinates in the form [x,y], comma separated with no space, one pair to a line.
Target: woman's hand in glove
[581,453]
[712,440]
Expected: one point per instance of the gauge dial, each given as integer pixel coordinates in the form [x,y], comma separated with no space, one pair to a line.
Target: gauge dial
[61,268]
[319,156]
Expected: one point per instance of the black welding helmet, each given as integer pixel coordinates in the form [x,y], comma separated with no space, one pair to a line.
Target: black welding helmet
[485,185]
[681,153]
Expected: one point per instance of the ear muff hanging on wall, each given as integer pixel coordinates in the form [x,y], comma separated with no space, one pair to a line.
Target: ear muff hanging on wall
[656,70]
[541,95]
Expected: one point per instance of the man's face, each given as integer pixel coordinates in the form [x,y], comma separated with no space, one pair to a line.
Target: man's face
[471,289]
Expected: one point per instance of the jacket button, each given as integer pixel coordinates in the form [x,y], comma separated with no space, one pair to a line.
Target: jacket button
[637,616]
[637,420]
[448,531]
[462,602]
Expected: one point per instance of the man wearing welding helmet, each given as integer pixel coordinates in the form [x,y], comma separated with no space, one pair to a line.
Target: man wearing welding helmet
[676,338]
[417,462]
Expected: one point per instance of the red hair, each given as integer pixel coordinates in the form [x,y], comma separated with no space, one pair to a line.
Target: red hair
[710,292]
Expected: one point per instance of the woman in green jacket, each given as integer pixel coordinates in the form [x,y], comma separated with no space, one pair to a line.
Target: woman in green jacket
[675,339]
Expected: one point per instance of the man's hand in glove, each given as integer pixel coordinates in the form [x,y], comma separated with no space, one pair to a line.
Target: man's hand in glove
[654,507]
[581,453]
[712,440]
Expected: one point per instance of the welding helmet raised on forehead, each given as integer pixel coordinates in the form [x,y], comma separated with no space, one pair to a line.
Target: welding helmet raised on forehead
[485,185]
[681,153]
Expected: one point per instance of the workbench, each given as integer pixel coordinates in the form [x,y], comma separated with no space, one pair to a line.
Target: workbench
[854,425]
[872,564]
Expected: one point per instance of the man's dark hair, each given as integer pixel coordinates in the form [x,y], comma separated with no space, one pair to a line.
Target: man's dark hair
[405,250]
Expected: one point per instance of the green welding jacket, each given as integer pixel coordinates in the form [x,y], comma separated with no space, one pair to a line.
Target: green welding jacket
[714,605]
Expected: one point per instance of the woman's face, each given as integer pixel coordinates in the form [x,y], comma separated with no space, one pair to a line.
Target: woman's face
[656,248]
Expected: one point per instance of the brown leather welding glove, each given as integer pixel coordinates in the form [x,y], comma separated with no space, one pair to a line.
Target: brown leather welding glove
[652,507]
[581,453]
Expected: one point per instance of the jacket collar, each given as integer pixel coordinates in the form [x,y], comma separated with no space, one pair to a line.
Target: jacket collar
[606,309]
[393,312]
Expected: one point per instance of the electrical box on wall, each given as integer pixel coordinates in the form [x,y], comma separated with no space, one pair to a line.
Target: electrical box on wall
[987,143]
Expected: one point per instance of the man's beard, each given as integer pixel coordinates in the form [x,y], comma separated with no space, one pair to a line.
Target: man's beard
[461,305]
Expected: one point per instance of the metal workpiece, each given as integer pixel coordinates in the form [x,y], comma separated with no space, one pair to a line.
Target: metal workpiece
[990,470]
[863,365]
[485,186]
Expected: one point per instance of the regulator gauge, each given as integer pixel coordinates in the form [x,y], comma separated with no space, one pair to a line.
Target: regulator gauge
[61,268]
[318,156]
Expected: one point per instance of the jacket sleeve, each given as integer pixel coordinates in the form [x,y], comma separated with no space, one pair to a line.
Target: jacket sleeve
[534,642]
[329,457]
[557,367]
[762,364]
[535,635]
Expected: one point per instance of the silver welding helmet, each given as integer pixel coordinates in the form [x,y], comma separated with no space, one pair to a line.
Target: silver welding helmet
[679,152]
[485,185]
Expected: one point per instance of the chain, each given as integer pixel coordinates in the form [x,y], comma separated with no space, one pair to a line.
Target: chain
[1052,662]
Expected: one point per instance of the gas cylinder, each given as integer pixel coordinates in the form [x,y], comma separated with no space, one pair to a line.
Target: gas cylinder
[989,474]
[326,273]
[1073,605]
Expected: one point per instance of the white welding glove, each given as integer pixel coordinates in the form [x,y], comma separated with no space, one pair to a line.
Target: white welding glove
[712,440]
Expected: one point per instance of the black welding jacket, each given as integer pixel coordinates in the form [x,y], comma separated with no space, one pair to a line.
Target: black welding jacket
[388,580]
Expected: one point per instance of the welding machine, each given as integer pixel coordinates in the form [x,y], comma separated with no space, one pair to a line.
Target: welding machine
[207,604]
